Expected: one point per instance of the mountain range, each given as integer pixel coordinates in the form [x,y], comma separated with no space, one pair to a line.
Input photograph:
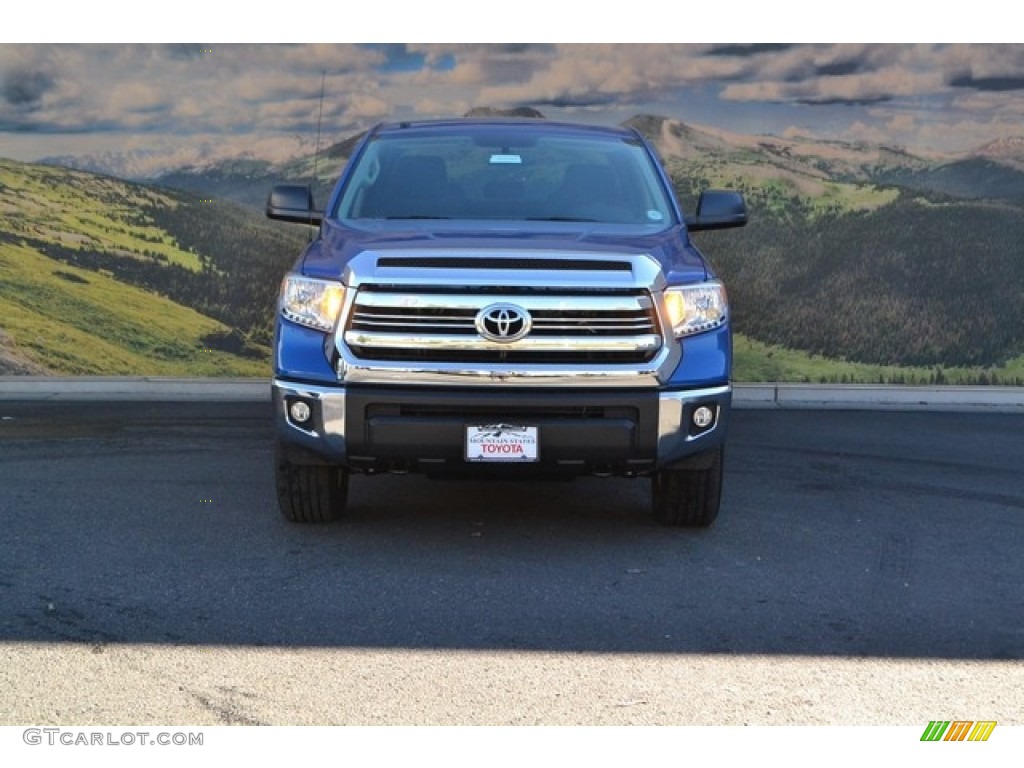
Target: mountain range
[993,170]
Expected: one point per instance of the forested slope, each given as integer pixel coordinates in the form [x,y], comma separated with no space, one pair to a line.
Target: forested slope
[102,276]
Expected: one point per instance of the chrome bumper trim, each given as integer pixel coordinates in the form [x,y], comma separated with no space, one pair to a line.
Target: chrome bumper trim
[356,371]
[674,407]
[326,435]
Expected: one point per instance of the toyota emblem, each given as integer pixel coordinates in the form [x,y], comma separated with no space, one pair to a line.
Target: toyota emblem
[503,322]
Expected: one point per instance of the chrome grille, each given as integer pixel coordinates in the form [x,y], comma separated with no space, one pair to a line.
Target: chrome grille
[407,323]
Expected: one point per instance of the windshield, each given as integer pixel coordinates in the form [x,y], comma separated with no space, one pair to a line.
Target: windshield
[508,175]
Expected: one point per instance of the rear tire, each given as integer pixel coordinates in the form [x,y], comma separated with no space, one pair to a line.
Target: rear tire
[310,493]
[688,498]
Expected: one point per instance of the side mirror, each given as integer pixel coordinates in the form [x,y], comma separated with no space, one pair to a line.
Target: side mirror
[718,209]
[293,202]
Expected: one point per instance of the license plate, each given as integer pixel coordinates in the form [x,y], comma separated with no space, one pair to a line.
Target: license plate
[502,442]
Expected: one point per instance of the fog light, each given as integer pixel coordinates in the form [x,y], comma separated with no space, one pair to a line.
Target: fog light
[703,417]
[300,411]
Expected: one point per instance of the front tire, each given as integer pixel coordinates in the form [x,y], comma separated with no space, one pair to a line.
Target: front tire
[688,498]
[310,493]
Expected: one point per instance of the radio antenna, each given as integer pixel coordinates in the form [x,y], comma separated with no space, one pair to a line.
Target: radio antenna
[319,122]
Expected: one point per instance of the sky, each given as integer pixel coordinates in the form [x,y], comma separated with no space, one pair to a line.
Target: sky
[186,102]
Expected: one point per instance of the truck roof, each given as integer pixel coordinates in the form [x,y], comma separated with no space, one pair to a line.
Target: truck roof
[520,124]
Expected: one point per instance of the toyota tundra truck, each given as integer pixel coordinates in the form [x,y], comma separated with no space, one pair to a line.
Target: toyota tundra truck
[514,299]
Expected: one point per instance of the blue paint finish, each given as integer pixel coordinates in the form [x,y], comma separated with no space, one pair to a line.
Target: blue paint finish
[707,360]
[340,242]
[299,354]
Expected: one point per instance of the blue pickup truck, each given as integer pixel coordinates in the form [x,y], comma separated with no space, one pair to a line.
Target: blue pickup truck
[502,298]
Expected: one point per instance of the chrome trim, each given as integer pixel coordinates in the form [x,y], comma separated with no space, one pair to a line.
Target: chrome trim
[328,432]
[645,272]
[457,342]
[433,289]
[353,370]
[467,325]
[673,434]
[503,323]
[532,302]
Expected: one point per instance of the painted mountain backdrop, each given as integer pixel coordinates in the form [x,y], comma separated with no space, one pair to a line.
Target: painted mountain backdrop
[103,276]
[861,262]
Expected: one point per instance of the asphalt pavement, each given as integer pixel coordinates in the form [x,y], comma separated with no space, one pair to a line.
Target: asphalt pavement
[865,569]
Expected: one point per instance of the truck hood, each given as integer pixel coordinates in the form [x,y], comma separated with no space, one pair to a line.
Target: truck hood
[338,244]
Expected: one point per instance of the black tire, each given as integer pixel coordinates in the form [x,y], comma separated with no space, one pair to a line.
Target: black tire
[310,493]
[688,497]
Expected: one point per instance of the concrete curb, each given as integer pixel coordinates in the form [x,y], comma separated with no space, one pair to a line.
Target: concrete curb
[872,397]
[132,388]
[746,396]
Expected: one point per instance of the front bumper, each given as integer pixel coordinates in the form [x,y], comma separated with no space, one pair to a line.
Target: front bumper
[582,432]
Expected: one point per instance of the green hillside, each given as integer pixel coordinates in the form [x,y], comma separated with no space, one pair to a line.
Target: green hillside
[756,361]
[99,276]
[859,258]
[67,320]
[913,283]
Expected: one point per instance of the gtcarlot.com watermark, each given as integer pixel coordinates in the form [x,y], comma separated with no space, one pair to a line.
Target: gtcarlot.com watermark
[74,737]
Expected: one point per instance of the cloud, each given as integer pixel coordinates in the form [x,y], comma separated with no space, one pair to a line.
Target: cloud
[859,131]
[839,68]
[137,97]
[988,103]
[26,87]
[244,90]
[480,65]
[182,88]
[996,83]
[583,75]
[397,57]
[186,51]
[854,75]
[751,49]
[366,105]
[941,131]
[831,101]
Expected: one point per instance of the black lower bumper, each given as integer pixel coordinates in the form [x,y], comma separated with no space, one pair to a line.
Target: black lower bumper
[611,432]
[579,432]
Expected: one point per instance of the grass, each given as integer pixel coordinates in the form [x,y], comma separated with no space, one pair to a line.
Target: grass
[776,191]
[80,322]
[76,209]
[83,322]
[755,361]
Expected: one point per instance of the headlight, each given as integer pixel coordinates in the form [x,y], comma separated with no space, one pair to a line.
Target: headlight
[310,302]
[696,308]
